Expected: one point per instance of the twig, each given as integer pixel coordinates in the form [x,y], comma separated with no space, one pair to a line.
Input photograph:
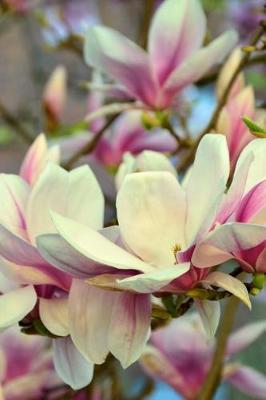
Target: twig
[208,390]
[90,146]
[14,123]
[188,159]
[144,29]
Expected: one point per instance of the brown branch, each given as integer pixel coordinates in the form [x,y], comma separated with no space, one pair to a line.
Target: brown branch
[144,29]
[189,157]
[90,146]
[15,124]
[213,379]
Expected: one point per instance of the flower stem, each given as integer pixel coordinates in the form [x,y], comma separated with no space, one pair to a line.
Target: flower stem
[213,379]
[189,157]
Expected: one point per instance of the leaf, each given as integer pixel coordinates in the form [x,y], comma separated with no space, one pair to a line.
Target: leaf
[255,129]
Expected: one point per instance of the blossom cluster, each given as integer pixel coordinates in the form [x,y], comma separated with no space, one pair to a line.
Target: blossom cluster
[96,287]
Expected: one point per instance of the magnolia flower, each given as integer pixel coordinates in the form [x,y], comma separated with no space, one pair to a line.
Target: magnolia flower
[145,161]
[25,215]
[240,103]
[150,251]
[54,96]
[181,354]
[26,368]
[243,237]
[175,56]
[127,134]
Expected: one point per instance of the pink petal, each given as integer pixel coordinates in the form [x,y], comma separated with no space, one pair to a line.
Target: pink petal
[227,242]
[230,122]
[252,204]
[177,30]
[13,201]
[248,381]
[36,158]
[113,53]
[158,366]
[200,62]
[244,336]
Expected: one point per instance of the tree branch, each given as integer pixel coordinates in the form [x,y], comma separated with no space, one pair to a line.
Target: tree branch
[15,124]
[213,379]
[189,157]
[89,147]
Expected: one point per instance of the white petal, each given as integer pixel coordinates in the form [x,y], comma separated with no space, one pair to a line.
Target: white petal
[16,304]
[207,182]
[151,211]
[70,365]
[54,315]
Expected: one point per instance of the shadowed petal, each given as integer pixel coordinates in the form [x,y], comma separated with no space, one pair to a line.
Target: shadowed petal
[153,281]
[112,321]
[70,365]
[230,284]
[16,305]
[54,315]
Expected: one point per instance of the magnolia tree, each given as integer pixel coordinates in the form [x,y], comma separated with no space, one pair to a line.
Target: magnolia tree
[126,237]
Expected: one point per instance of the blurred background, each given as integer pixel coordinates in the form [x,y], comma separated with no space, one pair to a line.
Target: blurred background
[37,36]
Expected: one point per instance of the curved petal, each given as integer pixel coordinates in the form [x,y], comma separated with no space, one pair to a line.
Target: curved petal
[257,171]
[159,367]
[244,336]
[18,250]
[252,204]
[66,258]
[93,245]
[14,196]
[206,183]
[230,284]
[111,52]
[247,380]
[227,242]
[151,210]
[70,365]
[113,321]
[200,62]
[151,282]
[85,201]
[49,192]
[16,305]
[209,312]
[177,30]
[36,158]
[54,315]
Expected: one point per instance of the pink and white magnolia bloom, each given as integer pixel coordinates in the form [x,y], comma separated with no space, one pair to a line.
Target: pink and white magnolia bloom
[240,103]
[175,57]
[26,368]
[145,161]
[25,215]
[127,134]
[243,236]
[181,353]
[149,252]
[54,96]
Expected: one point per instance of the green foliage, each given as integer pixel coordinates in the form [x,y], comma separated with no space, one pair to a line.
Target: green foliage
[255,129]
